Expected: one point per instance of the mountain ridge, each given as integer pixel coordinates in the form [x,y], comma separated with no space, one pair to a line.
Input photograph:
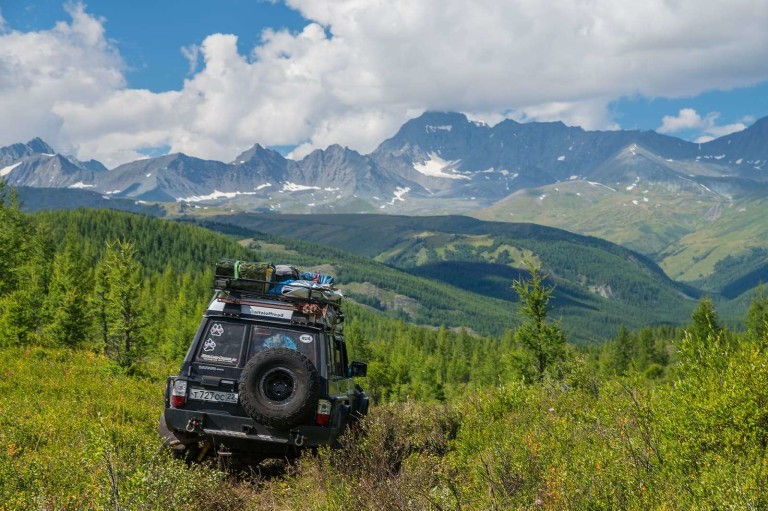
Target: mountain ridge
[435,157]
[648,191]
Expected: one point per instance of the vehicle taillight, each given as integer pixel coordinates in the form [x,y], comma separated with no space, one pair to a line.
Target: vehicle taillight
[323,416]
[179,393]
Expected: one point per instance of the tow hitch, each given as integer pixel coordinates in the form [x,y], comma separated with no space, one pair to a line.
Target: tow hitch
[298,438]
[194,425]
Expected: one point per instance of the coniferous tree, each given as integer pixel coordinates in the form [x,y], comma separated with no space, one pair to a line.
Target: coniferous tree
[624,351]
[359,345]
[125,314]
[67,299]
[704,321]
[22,314]
[13,238]
[757,317]
[543,341]
[100,303]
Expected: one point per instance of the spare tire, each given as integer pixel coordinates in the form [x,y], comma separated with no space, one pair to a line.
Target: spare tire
[279,387]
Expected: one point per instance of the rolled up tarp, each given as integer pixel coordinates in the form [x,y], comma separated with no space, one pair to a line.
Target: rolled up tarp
[235,275]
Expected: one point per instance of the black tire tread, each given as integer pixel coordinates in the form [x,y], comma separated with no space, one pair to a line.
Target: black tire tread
[278,418]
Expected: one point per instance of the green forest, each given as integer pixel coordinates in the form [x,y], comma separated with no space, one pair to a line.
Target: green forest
[97,307]
[600,285]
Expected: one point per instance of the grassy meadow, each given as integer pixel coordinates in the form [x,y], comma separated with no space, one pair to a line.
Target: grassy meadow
[76,432]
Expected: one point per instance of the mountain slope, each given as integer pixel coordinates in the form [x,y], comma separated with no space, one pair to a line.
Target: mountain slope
[596,281]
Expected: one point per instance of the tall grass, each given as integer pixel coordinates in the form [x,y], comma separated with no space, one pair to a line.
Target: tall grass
[77,433]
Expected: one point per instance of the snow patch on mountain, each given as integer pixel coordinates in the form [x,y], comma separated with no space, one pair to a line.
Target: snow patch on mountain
[503,172]
[293,187]
[594,183]
[7,170]
[80,185]
[261,187]
[437,167]
[399,195]
[213,196]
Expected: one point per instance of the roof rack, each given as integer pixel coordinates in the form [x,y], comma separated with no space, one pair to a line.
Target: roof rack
[299,310]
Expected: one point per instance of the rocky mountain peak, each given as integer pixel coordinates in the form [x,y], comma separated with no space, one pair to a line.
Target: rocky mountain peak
[12,153]
[257,153]
[38,145]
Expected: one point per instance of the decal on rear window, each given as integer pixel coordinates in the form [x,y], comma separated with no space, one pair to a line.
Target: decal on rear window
[223,343]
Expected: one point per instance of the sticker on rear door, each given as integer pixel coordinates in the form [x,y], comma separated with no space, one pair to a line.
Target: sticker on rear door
[306,338]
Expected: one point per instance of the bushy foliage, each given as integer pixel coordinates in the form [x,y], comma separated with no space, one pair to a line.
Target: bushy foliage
[77,433]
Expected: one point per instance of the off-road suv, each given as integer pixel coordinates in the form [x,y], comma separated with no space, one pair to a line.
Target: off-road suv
[266,374]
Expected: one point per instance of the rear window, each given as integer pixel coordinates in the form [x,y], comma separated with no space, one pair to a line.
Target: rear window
[268,337]
[222,343]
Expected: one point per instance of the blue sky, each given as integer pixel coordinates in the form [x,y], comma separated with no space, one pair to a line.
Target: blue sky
[150,35]
[116,80]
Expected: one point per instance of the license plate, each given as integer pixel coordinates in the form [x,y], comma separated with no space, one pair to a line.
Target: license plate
[212,395]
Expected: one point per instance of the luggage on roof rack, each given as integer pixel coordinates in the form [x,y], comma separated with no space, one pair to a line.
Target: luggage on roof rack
[264,278]
[232,274]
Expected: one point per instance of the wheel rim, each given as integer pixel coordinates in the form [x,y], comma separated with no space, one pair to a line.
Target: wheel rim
[278,384]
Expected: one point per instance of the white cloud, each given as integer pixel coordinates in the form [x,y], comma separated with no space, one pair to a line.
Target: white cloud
[70,63]
[689,119]
[686,119]
[360,68]
[192,54]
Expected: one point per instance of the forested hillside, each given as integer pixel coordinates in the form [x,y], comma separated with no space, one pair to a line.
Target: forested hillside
[599,285]
[97,308]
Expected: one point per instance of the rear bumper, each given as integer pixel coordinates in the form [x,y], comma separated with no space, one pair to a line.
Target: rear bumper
[242,433]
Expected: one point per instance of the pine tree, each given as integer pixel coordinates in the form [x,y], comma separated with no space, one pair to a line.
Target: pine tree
[22,314]
[757,317]
[67,298]
[544,342]
[13,238]
[704,321]
[125,314]
[359,345]
[100,302]
[624,351]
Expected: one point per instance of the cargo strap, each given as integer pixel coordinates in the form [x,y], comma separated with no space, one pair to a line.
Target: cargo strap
[237,269]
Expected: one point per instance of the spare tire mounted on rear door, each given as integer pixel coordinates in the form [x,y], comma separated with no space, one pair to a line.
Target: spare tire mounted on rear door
[279,388]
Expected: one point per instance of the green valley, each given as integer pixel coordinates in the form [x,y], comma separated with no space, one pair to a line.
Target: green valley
[599,285]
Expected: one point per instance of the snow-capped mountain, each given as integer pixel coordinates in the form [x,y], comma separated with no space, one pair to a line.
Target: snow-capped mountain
[436,162]
[36,164]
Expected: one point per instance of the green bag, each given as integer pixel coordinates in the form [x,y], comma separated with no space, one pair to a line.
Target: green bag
[235,275]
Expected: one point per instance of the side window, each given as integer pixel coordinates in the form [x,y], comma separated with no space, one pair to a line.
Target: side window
[221,343]
[339,362]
